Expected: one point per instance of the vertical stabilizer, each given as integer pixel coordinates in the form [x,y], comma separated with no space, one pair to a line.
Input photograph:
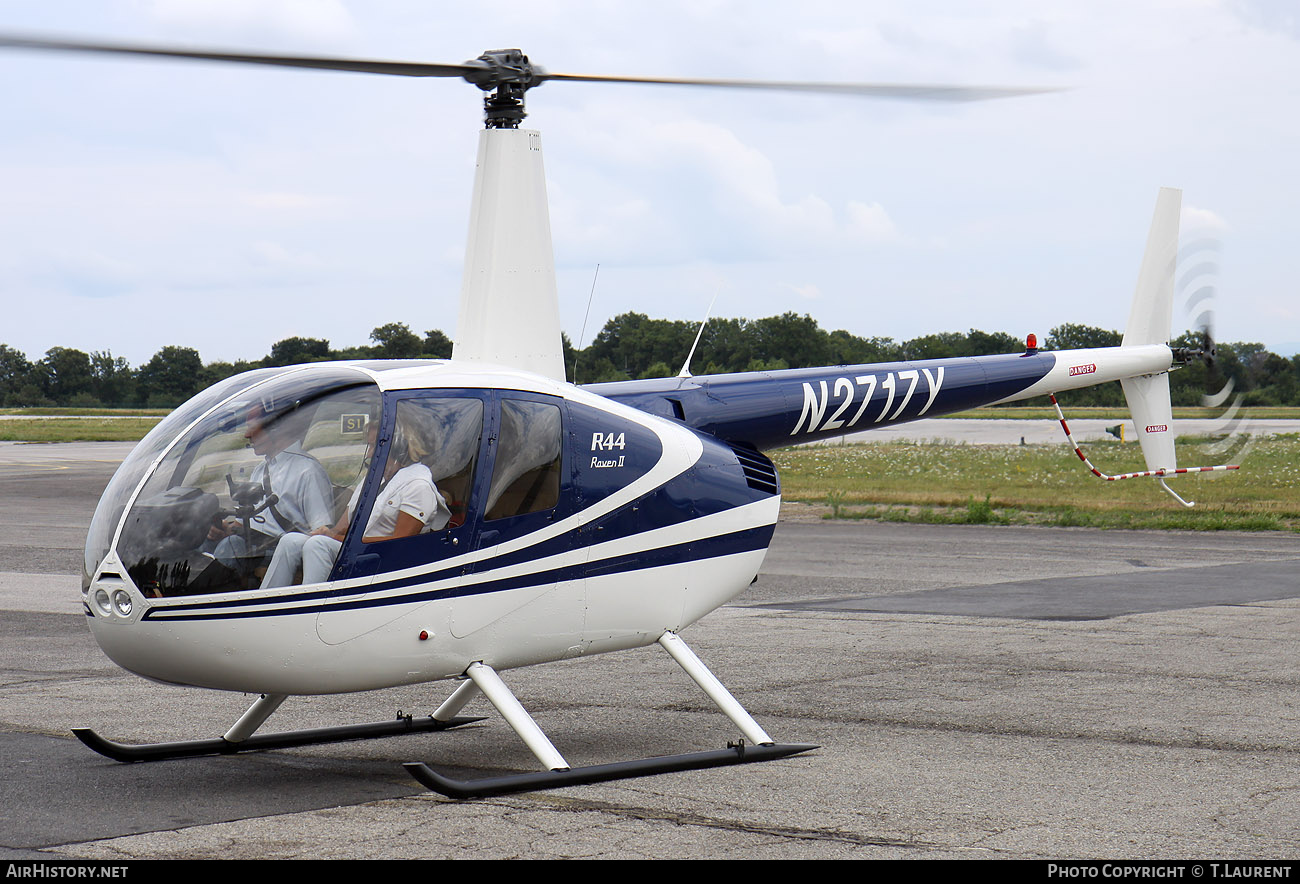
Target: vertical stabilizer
[509,309]
[1152,312]
[1149,322]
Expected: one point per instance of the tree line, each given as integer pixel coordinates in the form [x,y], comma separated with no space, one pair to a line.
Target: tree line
[631,345]
[74,378]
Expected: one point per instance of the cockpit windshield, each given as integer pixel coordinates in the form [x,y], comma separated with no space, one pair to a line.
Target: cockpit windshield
[113,502]
[283,456]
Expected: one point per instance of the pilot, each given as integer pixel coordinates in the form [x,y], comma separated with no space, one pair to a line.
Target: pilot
[408,504]
[305,495]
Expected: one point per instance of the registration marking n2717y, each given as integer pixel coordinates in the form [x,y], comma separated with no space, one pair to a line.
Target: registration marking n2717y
[845,392]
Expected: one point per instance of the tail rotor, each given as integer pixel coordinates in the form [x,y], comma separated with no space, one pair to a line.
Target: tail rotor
[1198,286]
[1150,317]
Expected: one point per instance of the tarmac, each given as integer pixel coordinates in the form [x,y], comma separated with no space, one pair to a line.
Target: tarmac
[976,691]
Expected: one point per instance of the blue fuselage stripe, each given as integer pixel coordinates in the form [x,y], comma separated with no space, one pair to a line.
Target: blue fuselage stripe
[746,540]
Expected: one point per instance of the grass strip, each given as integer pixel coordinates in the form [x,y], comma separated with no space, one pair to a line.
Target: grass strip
[1045,484]
[76,429]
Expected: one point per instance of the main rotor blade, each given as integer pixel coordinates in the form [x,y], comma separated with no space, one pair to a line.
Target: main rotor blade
[484,73]
[872,90]
[357,65]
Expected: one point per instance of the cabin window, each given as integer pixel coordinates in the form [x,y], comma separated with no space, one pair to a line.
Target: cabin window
[526,477]
[436,443]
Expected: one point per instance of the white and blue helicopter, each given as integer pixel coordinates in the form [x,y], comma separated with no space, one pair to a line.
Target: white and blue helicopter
[575,520]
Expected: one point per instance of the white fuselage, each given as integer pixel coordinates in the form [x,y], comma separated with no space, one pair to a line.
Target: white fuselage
[431,621]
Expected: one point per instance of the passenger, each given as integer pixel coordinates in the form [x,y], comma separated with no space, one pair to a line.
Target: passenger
[408,504]
[305,495]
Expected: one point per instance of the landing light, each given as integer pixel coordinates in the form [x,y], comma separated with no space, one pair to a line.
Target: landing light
[102,602]
[122,602]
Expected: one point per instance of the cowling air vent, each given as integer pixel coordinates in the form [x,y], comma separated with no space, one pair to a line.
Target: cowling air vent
[760,474]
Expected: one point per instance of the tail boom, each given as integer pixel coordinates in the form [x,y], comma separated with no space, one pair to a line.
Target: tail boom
[1075,369]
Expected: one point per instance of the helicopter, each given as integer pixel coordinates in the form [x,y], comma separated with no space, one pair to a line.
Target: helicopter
[566,520]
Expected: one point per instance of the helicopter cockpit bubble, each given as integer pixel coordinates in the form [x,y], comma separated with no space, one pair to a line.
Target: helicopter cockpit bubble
[262,454]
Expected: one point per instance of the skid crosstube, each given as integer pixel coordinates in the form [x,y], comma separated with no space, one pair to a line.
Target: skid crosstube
[599,773]
[284,740]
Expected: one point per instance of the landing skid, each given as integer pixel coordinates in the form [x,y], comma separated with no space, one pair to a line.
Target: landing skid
[737,753]
[285,740]
[480,678]
[483,679]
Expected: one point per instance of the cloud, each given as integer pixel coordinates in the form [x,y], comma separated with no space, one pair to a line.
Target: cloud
[1204,220]
[273,255]
[871,223]
[1270,15]
[1035,46]
[317,21]
[86,275]
[714,195]
[285,201]
[807,291]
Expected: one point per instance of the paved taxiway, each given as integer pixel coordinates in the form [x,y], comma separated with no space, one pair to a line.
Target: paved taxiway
[977,691]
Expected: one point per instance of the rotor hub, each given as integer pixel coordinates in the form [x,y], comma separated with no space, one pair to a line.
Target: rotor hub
[507,75]
[1208,352]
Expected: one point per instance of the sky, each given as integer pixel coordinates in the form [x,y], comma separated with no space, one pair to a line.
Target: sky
[145,204]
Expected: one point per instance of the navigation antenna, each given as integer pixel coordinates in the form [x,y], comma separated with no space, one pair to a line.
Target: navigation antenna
[591,297]
[686,366]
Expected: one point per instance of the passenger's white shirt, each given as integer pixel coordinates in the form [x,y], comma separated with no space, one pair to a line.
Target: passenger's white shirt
[410,491]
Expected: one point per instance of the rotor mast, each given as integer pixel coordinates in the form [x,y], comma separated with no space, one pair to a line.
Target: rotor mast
[509,303]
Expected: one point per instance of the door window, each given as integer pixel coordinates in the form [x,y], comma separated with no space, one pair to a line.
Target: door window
[526,476]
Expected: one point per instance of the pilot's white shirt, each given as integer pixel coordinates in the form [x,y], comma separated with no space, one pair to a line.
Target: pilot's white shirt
[303,488]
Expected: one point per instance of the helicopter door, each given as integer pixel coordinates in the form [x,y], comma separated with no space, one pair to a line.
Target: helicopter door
[523,563]
[627,592]
[425,468]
